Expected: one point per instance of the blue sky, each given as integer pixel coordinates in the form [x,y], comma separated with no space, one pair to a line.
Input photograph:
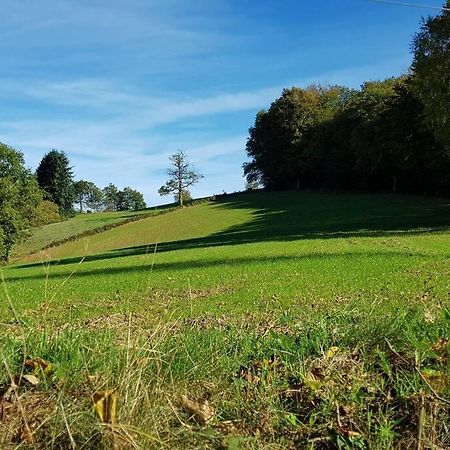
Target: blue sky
[121,85]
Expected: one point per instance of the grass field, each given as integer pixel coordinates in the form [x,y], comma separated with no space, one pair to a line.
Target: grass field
[294,320]
[82,223]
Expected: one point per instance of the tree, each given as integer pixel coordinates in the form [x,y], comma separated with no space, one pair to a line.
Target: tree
[46,212]
[110,197]
[54,176]
[372,139]
[279,142]
[20,198]
[431,72]
[182,175]
[130,200]
[89,195]
[95,198]
[81,191]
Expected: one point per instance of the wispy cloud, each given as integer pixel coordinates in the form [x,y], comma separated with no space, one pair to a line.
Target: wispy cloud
[120,85]
[118,129]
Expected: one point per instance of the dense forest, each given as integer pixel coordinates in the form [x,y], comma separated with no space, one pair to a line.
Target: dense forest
[388,136]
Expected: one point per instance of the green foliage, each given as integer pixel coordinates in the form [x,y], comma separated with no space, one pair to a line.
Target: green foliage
[89,195]
[130,200]
[20,198]
[47,212]
[186,197]
[110,197]
[82,190]
[54,176]
[373,139]
[431,72]
[181,174]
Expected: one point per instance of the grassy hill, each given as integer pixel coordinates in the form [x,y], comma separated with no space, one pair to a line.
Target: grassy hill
[81,224]
[304,319]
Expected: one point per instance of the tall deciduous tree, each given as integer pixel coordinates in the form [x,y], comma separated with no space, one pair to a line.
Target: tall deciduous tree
[88,194]
[431,70]
[81,190]
[54,176]
[182,175]
[372,139]
[20,198]
[110,197]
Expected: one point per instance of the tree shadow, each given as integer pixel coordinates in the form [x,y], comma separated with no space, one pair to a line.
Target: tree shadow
[288,216]
[83,271]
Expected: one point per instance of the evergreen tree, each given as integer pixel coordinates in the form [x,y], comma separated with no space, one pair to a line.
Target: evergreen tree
[54,176]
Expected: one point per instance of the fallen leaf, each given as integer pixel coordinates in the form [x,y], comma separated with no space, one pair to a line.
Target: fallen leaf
[31,379]
[37,364]
[437,380]
[200,409]
[105,403]
[247,375]
[441,345]
[441,348]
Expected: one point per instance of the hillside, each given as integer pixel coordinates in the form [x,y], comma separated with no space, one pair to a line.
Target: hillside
[54,233]
[256,217]
[278,308]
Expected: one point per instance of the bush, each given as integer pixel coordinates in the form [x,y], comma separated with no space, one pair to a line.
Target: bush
[46,212]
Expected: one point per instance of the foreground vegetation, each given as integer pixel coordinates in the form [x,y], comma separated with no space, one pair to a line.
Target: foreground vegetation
[266,320]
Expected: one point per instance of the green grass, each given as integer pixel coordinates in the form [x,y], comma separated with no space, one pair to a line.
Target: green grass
[44,236]
[278,307]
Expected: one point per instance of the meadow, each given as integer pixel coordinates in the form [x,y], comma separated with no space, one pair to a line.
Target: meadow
[257,320]
[76,226]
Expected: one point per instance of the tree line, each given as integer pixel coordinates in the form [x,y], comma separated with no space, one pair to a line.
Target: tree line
[49,195]
[388,136]
[54,176]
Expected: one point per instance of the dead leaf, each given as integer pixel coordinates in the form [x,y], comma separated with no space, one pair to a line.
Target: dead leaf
[200,409]
[441,348]
[31,379]
[105,403]
[247,375]
[37,364]
[437,380]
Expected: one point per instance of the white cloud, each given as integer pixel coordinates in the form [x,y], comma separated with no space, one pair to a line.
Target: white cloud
[114,134]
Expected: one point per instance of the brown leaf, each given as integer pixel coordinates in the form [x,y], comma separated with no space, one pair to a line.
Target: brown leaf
[200,409]
[247,375]
[105,403]
[37,364]
[436,379]
[441,349]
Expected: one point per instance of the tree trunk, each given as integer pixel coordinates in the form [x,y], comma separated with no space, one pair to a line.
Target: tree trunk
[180,192]
[394,183]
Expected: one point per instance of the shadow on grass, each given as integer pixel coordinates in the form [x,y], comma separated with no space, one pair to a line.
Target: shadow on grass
[288,216]
[150,266]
